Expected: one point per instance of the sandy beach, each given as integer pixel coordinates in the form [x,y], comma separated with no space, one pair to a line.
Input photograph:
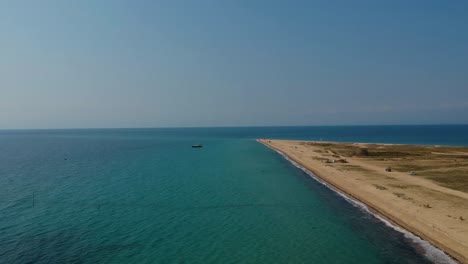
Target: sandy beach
[420,188]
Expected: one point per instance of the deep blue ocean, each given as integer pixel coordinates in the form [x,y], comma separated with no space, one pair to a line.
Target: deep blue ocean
[146,196]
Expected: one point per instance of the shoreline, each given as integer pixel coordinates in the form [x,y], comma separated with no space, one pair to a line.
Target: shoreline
[435,250]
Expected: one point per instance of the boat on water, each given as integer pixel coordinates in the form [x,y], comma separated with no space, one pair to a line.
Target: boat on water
[197,146]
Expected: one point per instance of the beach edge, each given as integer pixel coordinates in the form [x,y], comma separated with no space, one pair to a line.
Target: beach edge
[374,209]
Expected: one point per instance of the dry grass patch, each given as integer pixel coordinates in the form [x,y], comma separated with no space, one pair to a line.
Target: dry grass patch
[402,186]
[380,187]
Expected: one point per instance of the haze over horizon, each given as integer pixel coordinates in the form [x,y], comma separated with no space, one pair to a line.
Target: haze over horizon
[104,64]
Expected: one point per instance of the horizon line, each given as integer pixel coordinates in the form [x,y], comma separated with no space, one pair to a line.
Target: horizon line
[242,126]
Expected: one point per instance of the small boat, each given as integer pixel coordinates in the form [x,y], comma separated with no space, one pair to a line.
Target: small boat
[197,146]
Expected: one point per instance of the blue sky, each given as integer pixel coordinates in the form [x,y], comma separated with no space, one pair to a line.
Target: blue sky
[78,64]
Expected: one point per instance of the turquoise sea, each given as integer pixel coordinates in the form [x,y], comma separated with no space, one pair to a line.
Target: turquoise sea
[145,196]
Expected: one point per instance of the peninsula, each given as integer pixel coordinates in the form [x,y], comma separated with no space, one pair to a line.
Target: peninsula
[423,189]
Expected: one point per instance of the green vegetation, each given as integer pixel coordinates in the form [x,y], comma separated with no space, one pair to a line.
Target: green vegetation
[454,179]
[447,166]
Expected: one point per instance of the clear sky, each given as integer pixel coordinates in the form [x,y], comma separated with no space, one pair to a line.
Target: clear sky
[77,64]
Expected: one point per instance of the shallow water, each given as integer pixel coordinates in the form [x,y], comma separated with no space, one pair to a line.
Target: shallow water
[145,196]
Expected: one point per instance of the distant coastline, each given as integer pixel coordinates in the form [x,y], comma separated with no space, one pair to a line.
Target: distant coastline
[407,201]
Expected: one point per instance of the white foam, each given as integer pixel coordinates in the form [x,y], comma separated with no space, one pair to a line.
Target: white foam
[431,252]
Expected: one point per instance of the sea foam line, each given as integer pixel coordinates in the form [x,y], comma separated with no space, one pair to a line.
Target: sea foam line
[431,252]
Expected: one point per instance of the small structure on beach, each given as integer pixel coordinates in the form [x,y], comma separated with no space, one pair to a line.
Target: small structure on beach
[412,173]
[388,169]
[363,152]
